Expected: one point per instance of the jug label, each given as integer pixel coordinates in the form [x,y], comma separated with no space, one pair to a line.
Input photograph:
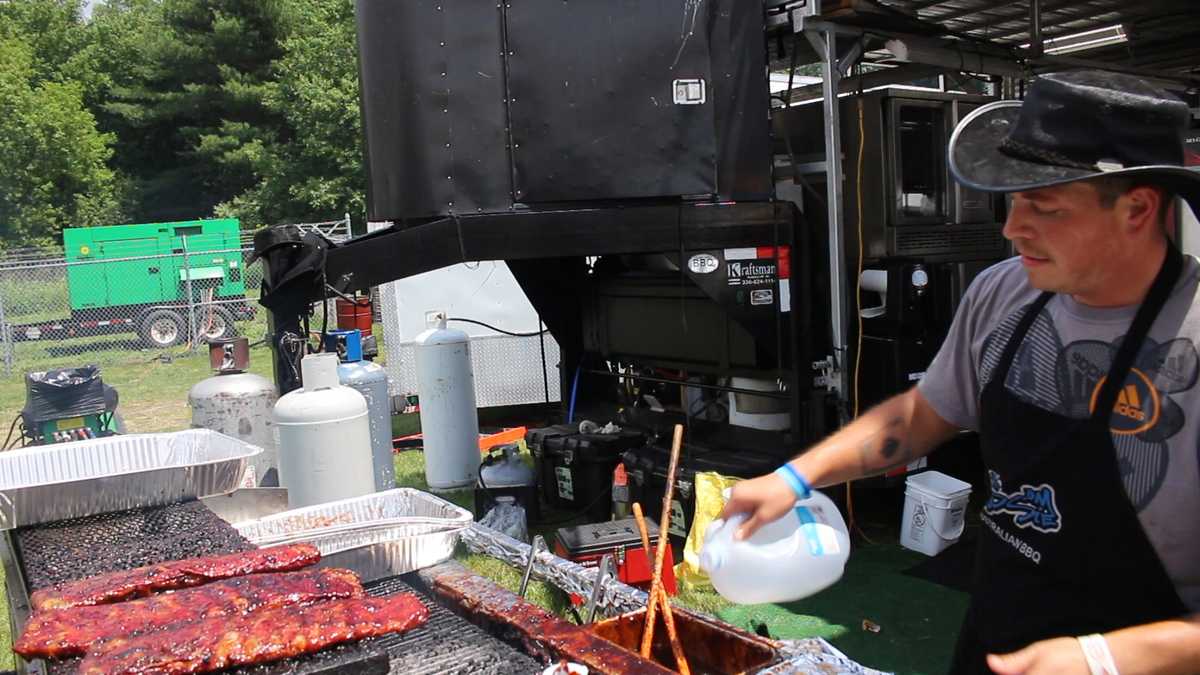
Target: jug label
[566,487]
[820,540]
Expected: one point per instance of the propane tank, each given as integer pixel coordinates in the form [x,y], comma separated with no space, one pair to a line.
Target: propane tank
[238,404]
[509,471]
[324,437]
[370,380]
[449,422]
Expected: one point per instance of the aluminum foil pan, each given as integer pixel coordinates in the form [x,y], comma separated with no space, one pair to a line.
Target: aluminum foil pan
[69,480]
[377,535]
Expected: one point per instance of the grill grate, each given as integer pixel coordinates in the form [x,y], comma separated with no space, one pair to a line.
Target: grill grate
[83,547]
[75,549]
[448,643]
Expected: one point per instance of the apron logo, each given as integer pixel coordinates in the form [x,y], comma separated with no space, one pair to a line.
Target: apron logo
[1138,405]
[1030,506]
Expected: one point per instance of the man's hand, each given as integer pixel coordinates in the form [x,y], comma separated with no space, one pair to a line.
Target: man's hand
[1049,657]
[764,499]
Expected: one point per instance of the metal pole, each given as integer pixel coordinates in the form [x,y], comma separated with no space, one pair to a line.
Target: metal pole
[191,299]
[825,43]
[1036,47]
[5,337]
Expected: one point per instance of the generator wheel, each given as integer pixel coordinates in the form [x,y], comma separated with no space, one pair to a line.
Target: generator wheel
[162,328]
[214,323]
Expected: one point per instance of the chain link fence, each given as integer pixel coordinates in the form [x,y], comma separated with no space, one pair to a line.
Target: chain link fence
[153,295]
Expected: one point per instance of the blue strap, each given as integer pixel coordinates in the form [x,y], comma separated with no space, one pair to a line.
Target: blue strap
[800,486]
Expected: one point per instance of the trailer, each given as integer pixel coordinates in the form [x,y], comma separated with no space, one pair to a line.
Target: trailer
[156,280]
[758,264]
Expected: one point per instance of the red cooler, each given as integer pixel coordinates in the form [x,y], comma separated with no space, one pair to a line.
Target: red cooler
[586,544]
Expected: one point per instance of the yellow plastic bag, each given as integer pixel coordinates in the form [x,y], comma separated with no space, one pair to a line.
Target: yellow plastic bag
[709,502]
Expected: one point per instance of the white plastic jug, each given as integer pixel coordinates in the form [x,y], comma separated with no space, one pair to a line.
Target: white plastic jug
[799,554]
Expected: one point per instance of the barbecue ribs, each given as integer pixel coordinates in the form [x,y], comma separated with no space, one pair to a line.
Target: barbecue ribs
[265,635]
[141,581]
[69,632]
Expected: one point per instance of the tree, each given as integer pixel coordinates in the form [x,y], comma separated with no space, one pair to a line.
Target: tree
[316,171]
[55,171]
[190,113]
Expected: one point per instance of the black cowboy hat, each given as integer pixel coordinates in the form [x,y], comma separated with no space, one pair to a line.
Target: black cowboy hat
[1076,125]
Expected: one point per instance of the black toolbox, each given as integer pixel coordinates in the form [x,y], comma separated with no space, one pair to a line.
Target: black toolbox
[647,471]
[576,470]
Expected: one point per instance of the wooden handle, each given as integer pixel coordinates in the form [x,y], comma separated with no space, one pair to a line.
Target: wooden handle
[668,615]
[664,526]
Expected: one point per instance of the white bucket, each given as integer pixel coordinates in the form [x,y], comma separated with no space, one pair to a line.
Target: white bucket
[935,507]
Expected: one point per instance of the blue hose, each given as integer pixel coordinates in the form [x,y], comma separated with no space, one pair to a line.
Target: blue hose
[574,386]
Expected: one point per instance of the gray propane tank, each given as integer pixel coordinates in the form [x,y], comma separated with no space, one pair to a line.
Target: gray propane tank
[370,380]
[324,437]
[449,420]
[238,404]
[507,472]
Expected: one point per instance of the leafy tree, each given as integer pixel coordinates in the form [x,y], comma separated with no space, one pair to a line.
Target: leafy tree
[316,171]
[190,112]
[55,171]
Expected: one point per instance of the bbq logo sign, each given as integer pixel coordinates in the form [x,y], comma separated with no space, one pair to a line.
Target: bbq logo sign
[1031,506]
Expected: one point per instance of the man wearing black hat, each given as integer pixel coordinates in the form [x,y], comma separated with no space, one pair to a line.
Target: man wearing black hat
[1077,363]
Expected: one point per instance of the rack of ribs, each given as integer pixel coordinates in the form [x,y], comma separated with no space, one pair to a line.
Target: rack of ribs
[142,581]
[216,643]
[69,632]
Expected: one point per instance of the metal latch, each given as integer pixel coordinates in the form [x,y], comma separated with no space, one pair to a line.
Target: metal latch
[828,378]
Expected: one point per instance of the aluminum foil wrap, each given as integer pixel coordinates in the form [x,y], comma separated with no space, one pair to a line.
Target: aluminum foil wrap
[801,656]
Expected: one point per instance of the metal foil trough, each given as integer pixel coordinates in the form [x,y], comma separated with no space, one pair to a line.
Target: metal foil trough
[82,478]
[377,535]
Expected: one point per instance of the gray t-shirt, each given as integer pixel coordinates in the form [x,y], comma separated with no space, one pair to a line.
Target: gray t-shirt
[1058,367]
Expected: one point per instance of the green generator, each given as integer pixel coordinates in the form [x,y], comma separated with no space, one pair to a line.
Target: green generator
[138,277]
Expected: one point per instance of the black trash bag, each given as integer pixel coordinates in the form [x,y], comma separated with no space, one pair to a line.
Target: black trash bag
[64,392]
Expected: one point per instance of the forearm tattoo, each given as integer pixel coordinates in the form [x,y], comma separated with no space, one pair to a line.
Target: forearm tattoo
[886,450]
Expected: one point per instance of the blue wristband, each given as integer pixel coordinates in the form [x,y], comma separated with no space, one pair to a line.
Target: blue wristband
[800,486]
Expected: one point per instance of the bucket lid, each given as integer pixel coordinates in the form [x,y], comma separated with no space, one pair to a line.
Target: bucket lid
[937,484]
[319,371]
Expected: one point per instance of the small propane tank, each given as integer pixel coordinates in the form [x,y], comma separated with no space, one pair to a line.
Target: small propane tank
[449,422]
[801,553]
[507,472]
[324,437]
[238,404]
[370,380]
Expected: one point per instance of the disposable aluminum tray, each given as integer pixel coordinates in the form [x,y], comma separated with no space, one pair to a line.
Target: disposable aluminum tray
[83,478]
[377,535]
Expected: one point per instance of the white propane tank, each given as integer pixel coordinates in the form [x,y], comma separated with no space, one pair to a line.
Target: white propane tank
[801,553]
[449,422]
[238,404]
[370,380]
[324,437]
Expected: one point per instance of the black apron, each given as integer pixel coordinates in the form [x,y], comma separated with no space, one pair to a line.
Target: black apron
[1062,552]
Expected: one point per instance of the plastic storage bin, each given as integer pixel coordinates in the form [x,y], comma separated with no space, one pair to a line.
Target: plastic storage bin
[577,470]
